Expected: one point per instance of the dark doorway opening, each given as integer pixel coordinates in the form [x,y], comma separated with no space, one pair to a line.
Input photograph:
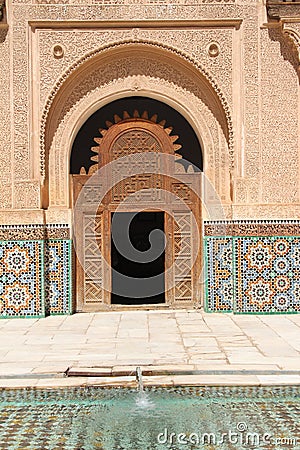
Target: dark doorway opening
[138,278]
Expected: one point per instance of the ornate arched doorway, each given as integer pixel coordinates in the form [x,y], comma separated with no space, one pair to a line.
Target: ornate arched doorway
[138,184]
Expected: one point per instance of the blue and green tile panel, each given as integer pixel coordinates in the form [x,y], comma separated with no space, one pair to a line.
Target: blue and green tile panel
[254,273]
[35,271]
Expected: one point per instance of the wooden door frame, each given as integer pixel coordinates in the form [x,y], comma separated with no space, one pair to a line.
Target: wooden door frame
[111,202]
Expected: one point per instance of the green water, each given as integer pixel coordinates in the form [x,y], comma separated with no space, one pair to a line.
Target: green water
[158,419]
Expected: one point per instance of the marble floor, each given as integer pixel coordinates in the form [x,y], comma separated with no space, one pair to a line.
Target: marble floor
[177,346]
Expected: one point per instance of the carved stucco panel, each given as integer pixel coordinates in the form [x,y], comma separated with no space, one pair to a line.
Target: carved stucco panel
[241,191]
[126,67]
[20,95]
[253,190]
[292,31]
[246,191]
[5,123]
[265,212]
[251,96]
[203,119]
[222,168]
[23,13]
[193,42]
[5,195]
[279,122]
[162,3]
[80,11]
[118,2]
[74,45]
[26,195]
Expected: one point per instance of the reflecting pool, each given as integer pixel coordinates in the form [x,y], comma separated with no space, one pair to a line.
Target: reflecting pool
[179,418]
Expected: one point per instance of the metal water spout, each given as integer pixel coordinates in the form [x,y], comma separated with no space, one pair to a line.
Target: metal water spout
[139,378]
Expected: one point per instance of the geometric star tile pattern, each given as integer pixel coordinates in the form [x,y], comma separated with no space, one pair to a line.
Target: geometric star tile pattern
[267,274]
[244,274]
[21,279]
[219,274]
[58,277]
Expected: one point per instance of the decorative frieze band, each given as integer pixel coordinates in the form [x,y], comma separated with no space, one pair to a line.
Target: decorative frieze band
[253,228]
[34,232]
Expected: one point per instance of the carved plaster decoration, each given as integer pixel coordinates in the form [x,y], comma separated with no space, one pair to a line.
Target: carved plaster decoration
[58,51]
[285,11]
[265,212]
[169,52]
[193,42]
[287,15]
[251,101]
[127,2]
[193,108]
[292,31]
[27,195]
[5,195]
[21,105]
[213,50]
[120,151]
[6,173]
[279,142]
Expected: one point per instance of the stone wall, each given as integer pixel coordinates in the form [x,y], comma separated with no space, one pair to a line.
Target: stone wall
[250,64]
[231,70]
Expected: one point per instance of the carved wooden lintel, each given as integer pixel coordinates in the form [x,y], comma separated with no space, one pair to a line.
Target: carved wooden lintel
[287,14]
[279,10]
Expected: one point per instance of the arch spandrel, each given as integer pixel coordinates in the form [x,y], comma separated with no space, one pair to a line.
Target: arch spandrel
[133,58]
[155,73]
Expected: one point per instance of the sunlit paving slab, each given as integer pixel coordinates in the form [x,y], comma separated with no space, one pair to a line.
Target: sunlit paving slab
[279,379]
